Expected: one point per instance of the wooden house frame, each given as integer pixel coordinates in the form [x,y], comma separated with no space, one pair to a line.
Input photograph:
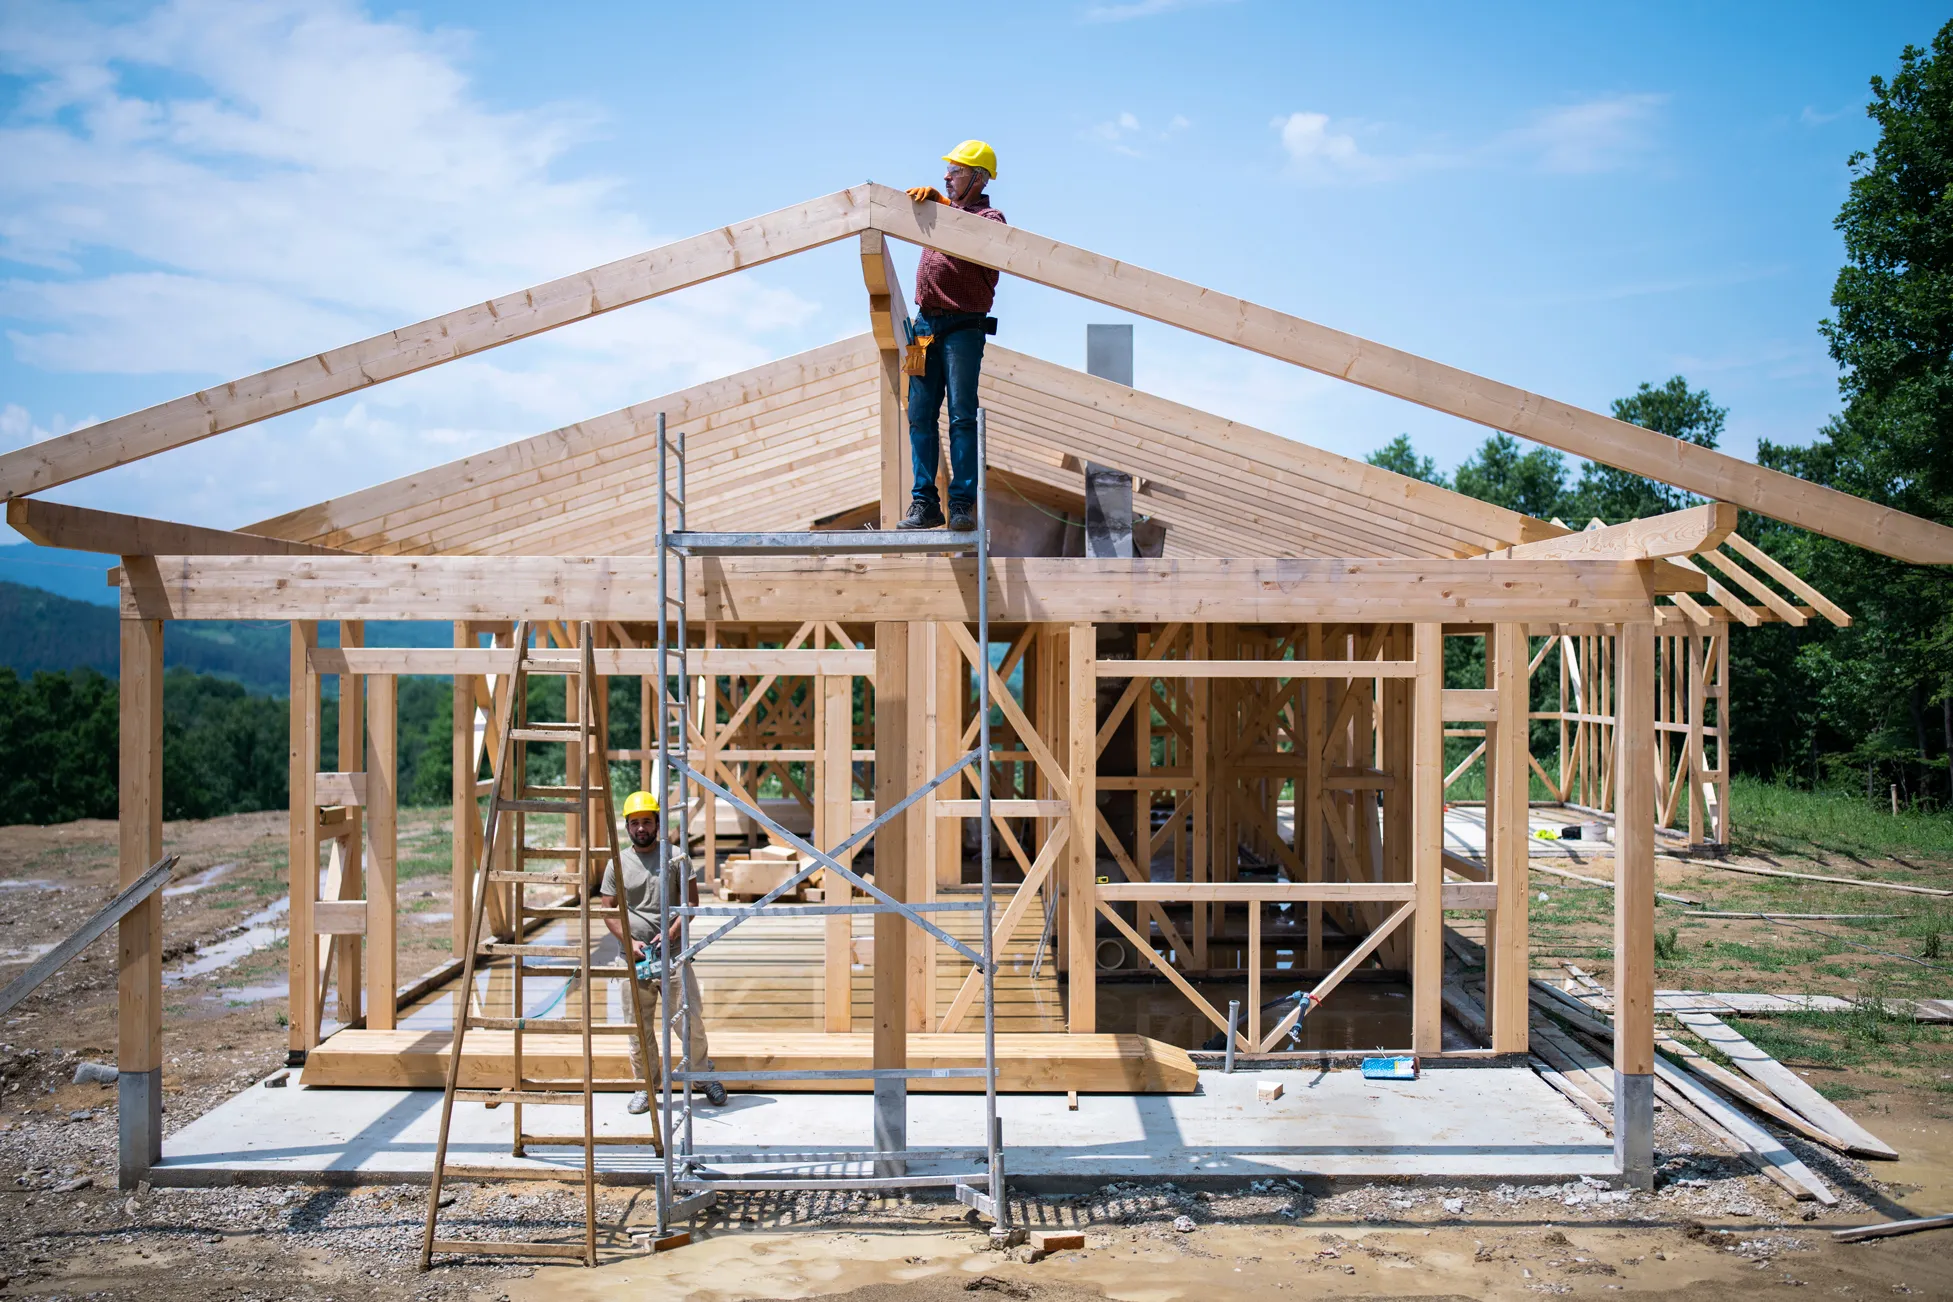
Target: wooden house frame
[1292,635]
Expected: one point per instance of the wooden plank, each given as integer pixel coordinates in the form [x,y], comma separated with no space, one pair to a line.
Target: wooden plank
[1739,1127]
[1470,704]
[339,917]
[1280,669]
[1888,1229]
[854,589]
[80,528]
[1020,901]
[1677,534]
[1026,1063]
[1427,840]
[1788,613]
[1013,713]
[303,851]
[125,902]
[1004,808]
[1081,878]
[610,661]
[1786,1084]
[348,789]
[1700,470]
[428,343]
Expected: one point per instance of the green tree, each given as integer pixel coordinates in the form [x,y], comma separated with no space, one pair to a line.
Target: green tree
[1500,473]
[1618,495]
[1399,456]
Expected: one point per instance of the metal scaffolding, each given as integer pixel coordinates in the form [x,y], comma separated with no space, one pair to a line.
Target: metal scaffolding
[690,1178]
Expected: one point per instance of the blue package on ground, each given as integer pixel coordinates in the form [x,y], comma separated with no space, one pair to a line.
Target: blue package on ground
[1390,1069]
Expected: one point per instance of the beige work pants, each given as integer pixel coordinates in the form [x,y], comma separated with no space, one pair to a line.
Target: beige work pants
[698,1050]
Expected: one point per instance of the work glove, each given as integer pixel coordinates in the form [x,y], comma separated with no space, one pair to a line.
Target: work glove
[926,194]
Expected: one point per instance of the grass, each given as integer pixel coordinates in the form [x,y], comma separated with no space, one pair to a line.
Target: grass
[1781,820]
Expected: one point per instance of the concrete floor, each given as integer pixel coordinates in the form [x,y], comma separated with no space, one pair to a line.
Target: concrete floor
[1456,1122]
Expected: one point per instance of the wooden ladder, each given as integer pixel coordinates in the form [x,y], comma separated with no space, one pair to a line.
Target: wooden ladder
[590,843]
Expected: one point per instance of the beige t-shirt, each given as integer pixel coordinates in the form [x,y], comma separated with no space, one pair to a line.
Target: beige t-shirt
[644,890]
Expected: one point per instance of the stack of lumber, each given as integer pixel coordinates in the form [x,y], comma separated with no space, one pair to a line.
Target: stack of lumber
[749,876]
[1572,1048]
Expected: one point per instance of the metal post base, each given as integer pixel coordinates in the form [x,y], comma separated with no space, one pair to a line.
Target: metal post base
[1634,1129]
[139,1128]
[891,1124]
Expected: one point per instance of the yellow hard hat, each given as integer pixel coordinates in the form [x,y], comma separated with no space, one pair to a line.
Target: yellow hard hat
[640,802]
[974,153]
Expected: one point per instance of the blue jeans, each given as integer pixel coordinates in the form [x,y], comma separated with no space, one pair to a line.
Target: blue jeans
[955,360]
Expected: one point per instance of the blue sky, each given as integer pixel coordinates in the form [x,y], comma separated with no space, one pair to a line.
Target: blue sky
[1565,199]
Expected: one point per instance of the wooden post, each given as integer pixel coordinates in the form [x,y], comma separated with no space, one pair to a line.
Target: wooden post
[302,868]
[1427,840]
[1081,771]
[952,679]
[1697,757]
[1199,726]
[347,956]
[382,840]
[1723,703]
[1508,968]
[918,752]
[465,827]
[139,936]
[1634,906]
[1308,806]
[834,794]
[891,999]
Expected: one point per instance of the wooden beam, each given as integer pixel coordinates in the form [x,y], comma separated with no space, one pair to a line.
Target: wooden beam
[1703,471]
[1455,895]
[428,343]
[888,319]
[139,936]
[611,661]
[1427,841]
[834,793]
[1634,887]
[1283,669]
[1081,880]
[1508,967]
[1678,533]
[83,529]
[891,930]
[766,589]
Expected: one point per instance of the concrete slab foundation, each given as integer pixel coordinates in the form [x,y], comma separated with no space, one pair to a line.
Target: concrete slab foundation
[1462,1123]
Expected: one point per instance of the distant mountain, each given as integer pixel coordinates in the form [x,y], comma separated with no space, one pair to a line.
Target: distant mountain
[43,630]
[78,576]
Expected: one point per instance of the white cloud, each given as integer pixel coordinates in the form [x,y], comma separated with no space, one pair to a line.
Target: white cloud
[1598,135]
[213,187]
[1320,153]
[1116,133]
[1125,12]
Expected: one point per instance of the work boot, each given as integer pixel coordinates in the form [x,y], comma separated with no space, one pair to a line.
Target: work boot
[715,1093]
[922,515]
[640,1103]
[962,519]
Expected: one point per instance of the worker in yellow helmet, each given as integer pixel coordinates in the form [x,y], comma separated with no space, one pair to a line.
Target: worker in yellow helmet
[953,300]
[646,891]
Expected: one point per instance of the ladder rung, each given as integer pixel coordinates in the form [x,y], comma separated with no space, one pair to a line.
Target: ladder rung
[544,1098]
[547,1024]
[562,793]
[496,950]
[536,879]
[538,969]
[539,806]
[543,732]
[555,911]
[560,851]
[502,1248]
[634,1141]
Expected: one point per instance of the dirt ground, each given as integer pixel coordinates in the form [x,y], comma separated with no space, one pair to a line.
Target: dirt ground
[65,1231]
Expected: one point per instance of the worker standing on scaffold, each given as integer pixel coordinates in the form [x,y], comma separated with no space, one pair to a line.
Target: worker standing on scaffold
[945,349]
[647,889]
